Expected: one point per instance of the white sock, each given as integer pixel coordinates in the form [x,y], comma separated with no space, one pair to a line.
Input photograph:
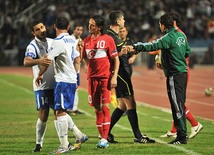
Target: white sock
[76,100]
[40,131]
[71,126]
[62,124]
[57,128]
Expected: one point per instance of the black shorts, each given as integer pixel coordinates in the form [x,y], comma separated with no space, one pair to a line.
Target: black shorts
[124,85]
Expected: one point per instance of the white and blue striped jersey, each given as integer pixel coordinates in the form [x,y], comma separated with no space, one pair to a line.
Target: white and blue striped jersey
[36,49]
[63,51]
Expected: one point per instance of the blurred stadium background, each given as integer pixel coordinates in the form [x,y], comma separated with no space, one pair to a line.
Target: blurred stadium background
[141,19]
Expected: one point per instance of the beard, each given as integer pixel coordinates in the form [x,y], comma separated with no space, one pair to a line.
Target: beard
[42,36]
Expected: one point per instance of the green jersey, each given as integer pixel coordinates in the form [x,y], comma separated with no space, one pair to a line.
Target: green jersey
[174,51]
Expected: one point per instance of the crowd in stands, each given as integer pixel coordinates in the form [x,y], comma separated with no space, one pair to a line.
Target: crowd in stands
[142,17]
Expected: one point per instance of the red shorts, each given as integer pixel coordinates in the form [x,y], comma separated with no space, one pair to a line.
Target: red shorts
[99,91]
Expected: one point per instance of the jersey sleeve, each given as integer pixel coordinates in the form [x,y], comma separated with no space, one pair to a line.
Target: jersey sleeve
[54,50]
[112,48]
[188,50]
[31,51]
[75,53]
[158,44]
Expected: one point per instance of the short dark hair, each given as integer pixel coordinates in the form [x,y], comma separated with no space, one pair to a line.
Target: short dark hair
[77,25]
[100,22]
[62,23]
[34,23]
[176,17]
[114,16]
[167,20]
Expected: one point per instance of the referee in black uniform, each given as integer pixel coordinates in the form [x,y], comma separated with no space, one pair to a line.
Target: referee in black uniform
[124,89]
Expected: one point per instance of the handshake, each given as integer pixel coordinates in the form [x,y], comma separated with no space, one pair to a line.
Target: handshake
[129,49]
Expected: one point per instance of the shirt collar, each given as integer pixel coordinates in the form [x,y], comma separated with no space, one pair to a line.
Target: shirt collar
[63,34]
[38,40]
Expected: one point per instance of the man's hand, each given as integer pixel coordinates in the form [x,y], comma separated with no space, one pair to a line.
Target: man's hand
[44,61]
[38,80]
[159,65]
[113,82]
[132,59]
[80,45]
[158,61]
[129,48]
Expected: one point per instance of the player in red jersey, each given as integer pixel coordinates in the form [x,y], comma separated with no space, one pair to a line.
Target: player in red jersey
[103,64]
[196,126]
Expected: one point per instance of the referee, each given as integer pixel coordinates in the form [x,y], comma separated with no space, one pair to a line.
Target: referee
[124,89]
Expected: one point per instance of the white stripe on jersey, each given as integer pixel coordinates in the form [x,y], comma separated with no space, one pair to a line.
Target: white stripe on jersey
[96,53]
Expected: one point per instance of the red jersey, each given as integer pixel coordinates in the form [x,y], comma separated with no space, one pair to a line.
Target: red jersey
[99,51]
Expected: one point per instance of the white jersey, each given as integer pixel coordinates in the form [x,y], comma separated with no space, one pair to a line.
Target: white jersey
[76,42]
[63,51]
[74,38]
[36,49]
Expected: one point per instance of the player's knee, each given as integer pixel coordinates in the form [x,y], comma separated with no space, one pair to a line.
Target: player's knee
[43,115]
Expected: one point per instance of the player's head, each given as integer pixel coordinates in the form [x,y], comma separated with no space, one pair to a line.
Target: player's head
[123,33]
[177,18]
[96,24]
[117,18]
[78,30]
[38,29]
[166,22]
[62,23]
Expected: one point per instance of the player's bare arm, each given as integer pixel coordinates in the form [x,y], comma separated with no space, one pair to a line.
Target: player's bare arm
[77,61]
[29,62]
[79,45]
[123,51]
[132,59]
[115,72]
[84,64]
[40,75]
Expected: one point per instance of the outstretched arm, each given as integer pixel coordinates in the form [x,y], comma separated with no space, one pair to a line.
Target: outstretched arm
[29,62]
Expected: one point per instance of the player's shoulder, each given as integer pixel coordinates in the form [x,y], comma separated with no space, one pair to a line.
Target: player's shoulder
[107,37]
[49,39]
[32,44]
[87,38]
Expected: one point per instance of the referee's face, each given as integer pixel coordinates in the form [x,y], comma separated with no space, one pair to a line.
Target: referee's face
[93,29]
[121,22]
[39,31]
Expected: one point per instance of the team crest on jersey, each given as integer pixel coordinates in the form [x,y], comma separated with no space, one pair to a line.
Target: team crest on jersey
[180,41]
[91,54]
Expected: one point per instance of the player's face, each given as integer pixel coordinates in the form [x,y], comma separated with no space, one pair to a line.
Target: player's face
[78,31]
[162,27]
[123,33]
[39,31]
[93,29]
[121,22]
